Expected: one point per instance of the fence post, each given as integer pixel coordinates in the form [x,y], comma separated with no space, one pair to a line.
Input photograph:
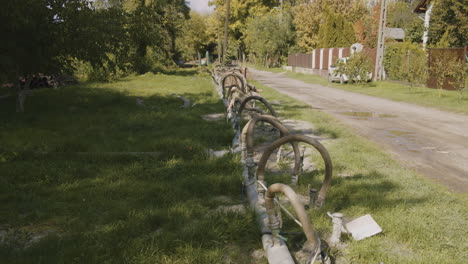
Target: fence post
[321,58]
[313,59]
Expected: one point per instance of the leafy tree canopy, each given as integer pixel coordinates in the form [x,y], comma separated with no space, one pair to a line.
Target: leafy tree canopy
[450,17]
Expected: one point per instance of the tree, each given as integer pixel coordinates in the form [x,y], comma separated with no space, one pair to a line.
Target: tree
[153,26]
[400,15]
[269,41]
[449,16]
[240,12]
[44,36]
[196,37]
[52,36]
[336,32]
[309,17]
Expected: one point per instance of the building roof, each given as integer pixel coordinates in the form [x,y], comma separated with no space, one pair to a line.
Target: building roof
[421,7]
[395,33]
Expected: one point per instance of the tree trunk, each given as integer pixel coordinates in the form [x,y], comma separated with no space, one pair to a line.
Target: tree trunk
[226,29]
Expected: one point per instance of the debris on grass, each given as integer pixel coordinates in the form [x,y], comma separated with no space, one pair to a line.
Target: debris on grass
[363,227]
[213,117]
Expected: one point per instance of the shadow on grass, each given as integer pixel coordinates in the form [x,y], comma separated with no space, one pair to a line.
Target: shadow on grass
[87,119]
[188,71]
[119,209]
[372,191]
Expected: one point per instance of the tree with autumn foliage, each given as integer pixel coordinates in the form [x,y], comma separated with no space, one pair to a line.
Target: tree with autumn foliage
[310,17]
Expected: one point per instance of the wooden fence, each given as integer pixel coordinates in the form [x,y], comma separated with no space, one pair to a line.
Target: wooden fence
[320,59]
[444,54]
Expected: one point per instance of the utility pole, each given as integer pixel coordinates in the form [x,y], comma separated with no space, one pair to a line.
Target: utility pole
[226,29]
[218,31]
[381,41]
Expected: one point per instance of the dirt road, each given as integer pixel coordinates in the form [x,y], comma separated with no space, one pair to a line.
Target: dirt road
[433,142]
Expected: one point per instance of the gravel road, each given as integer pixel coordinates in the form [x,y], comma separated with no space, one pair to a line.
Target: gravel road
[431,141]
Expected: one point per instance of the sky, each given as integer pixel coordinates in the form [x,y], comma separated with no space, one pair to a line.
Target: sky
[200,6]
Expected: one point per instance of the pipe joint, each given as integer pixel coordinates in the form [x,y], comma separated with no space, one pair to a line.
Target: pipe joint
[338,228]
[320,201]
[312,197]
[294,179]
[251,167]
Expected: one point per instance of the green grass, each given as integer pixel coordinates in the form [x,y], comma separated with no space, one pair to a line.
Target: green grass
[422,222]
[106,208]
[441,99]
[102,208]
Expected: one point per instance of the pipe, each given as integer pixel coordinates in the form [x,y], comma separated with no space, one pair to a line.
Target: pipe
[276,253]
[235,141]
[258,98]
[249,133]
[239,77]
[313,242]
[227,90]
[313,142]
[338,228]
[234,89]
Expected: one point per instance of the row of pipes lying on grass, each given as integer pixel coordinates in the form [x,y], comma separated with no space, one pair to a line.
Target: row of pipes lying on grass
[241,97]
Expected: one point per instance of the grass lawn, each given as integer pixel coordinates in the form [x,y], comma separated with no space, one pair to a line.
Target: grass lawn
[441,99]
[109,207]
[422,222]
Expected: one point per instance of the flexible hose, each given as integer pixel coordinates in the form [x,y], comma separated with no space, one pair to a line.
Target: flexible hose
[239,79]
[249,135]
[312,238]
[258,98]
[313,142]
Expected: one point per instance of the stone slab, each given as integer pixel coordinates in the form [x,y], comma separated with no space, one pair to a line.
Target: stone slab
[363,227]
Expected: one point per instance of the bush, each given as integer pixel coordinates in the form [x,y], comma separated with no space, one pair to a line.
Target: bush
[451,70]
[107,72]
[406,61]
[357,68]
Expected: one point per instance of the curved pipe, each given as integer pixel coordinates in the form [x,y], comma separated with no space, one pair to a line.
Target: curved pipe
[239,77]
[258,98]
[251,88]
[253,109]
[313,142]
[234,89]
[249,134]
[312,238]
